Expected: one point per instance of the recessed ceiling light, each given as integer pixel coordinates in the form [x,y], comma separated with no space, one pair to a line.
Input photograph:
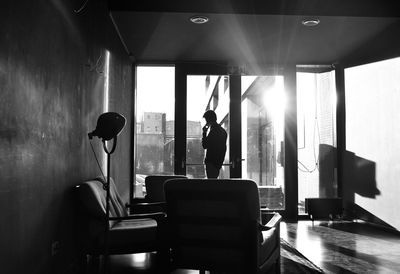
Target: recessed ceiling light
[310,22]
[199,19]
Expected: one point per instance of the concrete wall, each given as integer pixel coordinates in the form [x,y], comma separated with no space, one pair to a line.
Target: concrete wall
[52,82]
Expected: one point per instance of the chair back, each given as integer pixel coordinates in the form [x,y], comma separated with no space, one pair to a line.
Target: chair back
[93,197]
[214,224]
[155,186]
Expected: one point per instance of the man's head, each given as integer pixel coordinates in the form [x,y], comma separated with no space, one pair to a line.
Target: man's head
[210,117]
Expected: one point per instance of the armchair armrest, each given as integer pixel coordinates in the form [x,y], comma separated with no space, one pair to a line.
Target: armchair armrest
[147,207]
[157,216]
[148,204]
[138,200]
[270,220]
[274,221]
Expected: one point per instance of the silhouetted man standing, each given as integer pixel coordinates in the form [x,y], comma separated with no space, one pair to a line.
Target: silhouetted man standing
[215,143]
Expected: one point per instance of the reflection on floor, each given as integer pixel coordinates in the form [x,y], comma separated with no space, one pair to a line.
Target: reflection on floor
[336,247]
[345,247]
[143,263]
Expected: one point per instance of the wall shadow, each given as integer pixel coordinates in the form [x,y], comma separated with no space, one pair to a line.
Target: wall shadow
[359,177]
[359,174]
[326,164]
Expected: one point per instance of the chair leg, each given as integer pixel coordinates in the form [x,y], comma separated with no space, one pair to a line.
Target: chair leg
[202,271]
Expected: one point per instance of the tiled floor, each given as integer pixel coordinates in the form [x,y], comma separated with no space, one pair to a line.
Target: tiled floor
[345,247]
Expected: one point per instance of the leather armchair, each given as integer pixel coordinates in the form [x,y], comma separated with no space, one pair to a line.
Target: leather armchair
[127,233]
[216,225]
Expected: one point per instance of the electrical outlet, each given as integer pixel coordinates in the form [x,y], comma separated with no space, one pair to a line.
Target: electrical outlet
[55,248]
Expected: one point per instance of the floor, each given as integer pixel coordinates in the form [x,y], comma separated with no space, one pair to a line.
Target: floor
[335,247]
[345,247]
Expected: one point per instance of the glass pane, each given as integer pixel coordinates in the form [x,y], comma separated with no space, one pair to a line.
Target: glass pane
[263,108]
[155,97]
[316,127]
[205,92]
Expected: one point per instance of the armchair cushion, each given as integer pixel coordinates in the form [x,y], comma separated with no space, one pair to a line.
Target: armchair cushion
[133,232]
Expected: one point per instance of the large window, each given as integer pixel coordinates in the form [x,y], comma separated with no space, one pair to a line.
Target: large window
[154,140]
[316,127]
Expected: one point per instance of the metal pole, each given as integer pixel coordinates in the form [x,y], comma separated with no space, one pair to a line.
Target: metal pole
[107,217]
[107,189]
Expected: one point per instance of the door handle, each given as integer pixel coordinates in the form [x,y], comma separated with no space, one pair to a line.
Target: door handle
[233,163]
[183,164]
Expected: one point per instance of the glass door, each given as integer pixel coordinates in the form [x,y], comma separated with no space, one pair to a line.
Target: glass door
[205,92]
[170,103]
[154,132]
[263,110]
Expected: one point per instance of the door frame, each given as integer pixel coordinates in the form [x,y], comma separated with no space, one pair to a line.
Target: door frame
[182,71]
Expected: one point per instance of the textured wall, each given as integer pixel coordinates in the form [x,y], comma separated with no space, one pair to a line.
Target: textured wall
[52,84]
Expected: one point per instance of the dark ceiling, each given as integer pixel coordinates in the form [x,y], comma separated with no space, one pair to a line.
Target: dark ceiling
[255,32]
